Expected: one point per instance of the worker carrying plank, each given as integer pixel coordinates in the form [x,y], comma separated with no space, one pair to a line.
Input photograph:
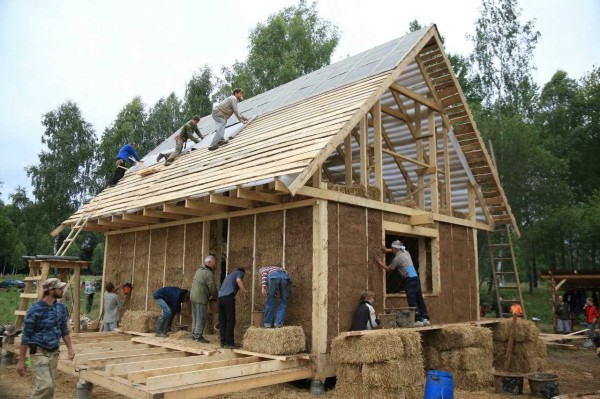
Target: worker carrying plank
[186,132]
[221,113]
[126,153]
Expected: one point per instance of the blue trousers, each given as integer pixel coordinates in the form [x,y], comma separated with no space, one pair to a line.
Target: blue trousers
[414,296]
[164,321]
[278,283]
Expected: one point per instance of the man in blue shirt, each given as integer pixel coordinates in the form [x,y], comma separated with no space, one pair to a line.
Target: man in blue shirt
[126,153]
[169,299]
[414,296]
[45,323]
[232,283]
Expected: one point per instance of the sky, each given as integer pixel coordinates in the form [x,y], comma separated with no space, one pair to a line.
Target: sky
[102,53]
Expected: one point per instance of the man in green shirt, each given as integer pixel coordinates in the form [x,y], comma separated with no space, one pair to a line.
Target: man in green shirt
[203,290]
[186,133]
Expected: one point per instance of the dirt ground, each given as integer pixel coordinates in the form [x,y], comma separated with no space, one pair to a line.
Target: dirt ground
[578,371]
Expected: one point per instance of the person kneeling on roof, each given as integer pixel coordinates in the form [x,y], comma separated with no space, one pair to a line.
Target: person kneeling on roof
[126,153]
[186,132]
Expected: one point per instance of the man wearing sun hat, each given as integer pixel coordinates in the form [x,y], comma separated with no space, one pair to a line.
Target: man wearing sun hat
[414,296]
[45,323]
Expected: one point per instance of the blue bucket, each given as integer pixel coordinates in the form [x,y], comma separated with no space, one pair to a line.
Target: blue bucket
[439,385]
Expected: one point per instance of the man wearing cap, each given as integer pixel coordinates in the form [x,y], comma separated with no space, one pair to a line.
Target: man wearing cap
[221,113]
[45,323]
[403,262]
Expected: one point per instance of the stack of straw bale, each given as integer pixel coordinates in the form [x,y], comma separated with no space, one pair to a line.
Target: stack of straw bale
[465,351]
[286,340]
[378,365]
[139,321]
[528,352]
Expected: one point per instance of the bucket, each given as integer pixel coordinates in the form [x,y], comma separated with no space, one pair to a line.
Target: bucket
[510,383]
[83,390]
[388,320]
[439,385]
[543,384]
[405,317]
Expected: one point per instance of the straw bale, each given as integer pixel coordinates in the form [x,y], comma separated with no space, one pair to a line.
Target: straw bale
[412,344]
[400,373]
[525,331]
[455,337]
[473,380]
[526,357]
[286,340]
[483,338]
[347,391]
[139,321]
[377,346]
[432,358]
[408,203]
[412,392]
[370,192]
[467,359]
[349,374]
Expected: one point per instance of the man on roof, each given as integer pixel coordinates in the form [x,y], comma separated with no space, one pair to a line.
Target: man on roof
[186,133]
[222,112]
[126,153]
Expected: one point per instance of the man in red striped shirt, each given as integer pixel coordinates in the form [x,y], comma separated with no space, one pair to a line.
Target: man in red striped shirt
[275,280]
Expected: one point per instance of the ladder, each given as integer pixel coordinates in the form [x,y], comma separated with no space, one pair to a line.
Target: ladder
[504,271]
[39,273]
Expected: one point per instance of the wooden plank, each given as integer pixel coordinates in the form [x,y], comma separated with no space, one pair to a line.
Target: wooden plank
[238,384]
[426,218]
[182,210]
[348,170]
[160,383]
[405,158]
[141,376]
[408,229]
[120,386]
[132,367]
[320,265]
[396,114]
[231,201]
[162,215]
[96,364]
[258,196]
[206,206]
[86,357]
[377,147]
[416,97]
[140,218]
[151,340]
[363,133]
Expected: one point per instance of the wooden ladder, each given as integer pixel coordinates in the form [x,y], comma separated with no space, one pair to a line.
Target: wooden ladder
[505,274]
[41,272]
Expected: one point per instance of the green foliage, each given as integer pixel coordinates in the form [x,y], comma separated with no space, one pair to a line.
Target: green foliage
[502,59]
[414,25]
[197,100]
[128,127]
[97,259]
[164,118]
[293,42]
[64,176]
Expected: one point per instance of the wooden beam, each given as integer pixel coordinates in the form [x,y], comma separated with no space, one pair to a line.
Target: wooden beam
[57,230]
[132,217]
[125,369]
[435,200]
[231,201]
[363,132]
[86,357]
[320,265]
[220,373]
[447,182]
[182,210]
[420,197]
[416,97]
[390,145]
[119,219]
[348,170]
[206,206]
[425,218]
[405,158]
[98,364]
[258,196]
[377,147]
[110,223]
[163,215]
[411,230]
[141,376]
[394,113]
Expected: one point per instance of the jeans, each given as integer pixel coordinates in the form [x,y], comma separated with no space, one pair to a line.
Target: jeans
[227,319]
[110,326]
[414,295]
[164,321]
[44,373]
[199,313]
[563,326]
[89,301]
[279,282]
[221,122]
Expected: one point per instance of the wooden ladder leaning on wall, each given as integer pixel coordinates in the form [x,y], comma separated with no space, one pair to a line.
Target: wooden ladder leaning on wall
[505,274]
[39,272]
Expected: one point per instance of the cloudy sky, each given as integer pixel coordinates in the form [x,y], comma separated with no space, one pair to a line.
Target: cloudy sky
[101,54]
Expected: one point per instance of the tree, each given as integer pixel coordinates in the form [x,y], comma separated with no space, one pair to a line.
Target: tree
[163,119]
[64,177]
[295,41]
[128,127]
[197,100]
[98,259]
[503,57]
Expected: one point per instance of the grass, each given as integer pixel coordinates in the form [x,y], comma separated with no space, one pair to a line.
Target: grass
[10,300]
